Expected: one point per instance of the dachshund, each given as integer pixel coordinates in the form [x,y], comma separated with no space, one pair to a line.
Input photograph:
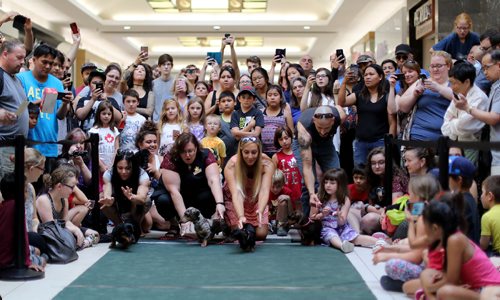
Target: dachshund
[310,230]
[246,237]
[205,228]
[123,235]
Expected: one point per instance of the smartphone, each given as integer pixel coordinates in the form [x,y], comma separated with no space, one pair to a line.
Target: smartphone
[61,95]
[74,28]
[227,35]
[418,208]
[423,77]
[312,72]
[19,21]
[280,52]
[100,86]
[66,75]
[339,53]
[400,76]
[355,69]
[145,49]
[217,56]
[455,96]
[175,133]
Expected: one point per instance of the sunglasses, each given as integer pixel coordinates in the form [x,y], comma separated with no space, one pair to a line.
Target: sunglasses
[249,139]
[323,116]
[403,57]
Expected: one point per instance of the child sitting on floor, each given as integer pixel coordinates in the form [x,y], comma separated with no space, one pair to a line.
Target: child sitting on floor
[280,205]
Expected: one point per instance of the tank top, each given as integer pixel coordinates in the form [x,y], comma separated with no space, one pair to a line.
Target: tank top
[479,271]
[271,123]
[287,163]
[56,215]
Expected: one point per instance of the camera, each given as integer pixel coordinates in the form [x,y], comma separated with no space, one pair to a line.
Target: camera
[143,158]
[79,153]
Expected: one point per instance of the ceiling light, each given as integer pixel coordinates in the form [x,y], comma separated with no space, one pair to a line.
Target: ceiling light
[208,6]
[214,41]
[397,28]
[216,27]
[307,27]
[126,27]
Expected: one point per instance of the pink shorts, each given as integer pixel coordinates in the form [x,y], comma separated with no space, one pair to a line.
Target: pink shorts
[250,213]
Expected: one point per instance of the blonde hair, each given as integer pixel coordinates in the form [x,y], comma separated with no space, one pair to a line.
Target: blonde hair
[278,178]
[463,17]
[164,117]
[242,170]
[212,117]
[60,175]
[425,187]
[445,55]
[32,158]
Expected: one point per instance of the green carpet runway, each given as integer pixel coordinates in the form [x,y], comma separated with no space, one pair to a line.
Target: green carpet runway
[184,270]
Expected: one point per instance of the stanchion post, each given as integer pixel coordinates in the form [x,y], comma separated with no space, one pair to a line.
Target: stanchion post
[443,150]
[94,185]
[388,142]
[19,271]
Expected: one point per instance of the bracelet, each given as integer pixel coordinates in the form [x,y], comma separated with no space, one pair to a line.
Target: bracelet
[219,203]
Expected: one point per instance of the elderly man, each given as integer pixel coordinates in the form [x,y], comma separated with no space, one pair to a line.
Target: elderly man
[315,131]
[306,62]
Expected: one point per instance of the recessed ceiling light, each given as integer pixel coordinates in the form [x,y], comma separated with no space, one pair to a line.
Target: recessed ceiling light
[307,27]
[397,28]
[216,27]
[126,27]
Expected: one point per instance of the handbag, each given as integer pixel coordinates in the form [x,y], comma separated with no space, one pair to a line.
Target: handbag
[61,244]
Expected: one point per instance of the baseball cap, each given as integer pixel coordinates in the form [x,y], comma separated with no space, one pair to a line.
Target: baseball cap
[364,59]
[247,90]
[97,73]
[403,49]
[461,166]
[89,65]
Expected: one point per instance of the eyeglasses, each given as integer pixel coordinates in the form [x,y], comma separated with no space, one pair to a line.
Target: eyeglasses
[72,187]
[257,78]
[190,71]
[249,139]
[323,115]
[436,66]
[486,67]
[189,151]
[97,82]
[379,163]
[319,76]
[401,57]
[462,28]
[40,168]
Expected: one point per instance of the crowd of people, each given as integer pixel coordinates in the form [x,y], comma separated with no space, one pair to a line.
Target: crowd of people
[239,146]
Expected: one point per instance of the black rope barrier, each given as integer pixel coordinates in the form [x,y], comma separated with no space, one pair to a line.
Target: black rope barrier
[19,271]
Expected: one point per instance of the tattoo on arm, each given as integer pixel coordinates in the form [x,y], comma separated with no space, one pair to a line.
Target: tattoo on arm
[304,143]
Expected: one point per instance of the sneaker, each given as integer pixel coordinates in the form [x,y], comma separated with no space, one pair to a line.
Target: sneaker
[378,245]
[390,284]
[347,247]
[281,231]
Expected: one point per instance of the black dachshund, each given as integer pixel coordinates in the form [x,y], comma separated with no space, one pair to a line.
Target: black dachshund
[310,230]
[246,237]
[123,235]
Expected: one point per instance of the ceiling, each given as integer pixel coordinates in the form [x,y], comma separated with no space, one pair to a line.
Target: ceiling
[114,30]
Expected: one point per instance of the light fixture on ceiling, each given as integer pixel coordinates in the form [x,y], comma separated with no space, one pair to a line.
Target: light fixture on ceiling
[216,27]
[126,27]
[212,41]
[307,27]
[208,6]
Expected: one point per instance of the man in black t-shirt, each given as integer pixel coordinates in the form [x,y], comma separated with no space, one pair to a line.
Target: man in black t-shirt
[315,131]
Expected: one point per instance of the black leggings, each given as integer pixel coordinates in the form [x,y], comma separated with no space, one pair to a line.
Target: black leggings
[204,201]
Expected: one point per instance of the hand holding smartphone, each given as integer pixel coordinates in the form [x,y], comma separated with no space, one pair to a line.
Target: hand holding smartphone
[145,49]
[418,208]
[281,53]
[19,22]
[340,55]
[400,76]
[74,28]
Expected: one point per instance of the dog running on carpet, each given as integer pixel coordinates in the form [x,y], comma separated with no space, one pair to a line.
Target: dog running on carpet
[124,235]
[205,229]
[310,230]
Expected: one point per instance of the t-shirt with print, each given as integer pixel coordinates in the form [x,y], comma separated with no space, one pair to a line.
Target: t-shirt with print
[129,132]
[217,146]
[107,148]
[89,120]
[240,119]
[167,137]
[46,128]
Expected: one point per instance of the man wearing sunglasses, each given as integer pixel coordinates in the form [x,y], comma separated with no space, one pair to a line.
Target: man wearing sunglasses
[315,131]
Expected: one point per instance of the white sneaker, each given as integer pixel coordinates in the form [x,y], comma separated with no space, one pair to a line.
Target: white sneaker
[347,247]
[381,243]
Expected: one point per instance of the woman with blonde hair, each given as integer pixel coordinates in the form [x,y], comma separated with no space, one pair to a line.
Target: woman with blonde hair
[248,182]
[182,89]
[459,42]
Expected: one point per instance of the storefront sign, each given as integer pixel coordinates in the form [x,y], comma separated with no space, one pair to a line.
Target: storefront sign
[423,19]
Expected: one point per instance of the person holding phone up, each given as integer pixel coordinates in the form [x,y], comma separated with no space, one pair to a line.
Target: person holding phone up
[25,24]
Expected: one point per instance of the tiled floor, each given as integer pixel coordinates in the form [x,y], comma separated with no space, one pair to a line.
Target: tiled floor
[59,276]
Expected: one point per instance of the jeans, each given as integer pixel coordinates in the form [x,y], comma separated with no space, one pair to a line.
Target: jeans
[327,158]
[361,150]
